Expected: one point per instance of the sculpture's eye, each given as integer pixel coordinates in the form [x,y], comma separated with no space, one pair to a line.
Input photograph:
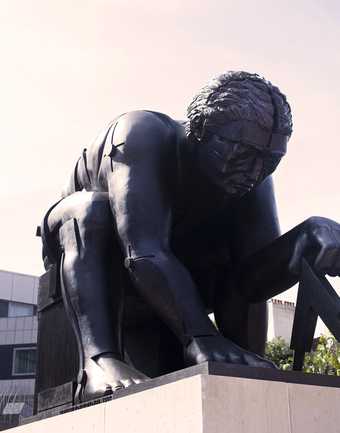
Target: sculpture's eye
[220,138]
[226,141]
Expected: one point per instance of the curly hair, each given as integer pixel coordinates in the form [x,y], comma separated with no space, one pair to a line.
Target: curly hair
[239,96]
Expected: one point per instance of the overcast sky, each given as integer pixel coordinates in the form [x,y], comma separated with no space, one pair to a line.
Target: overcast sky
[68,67]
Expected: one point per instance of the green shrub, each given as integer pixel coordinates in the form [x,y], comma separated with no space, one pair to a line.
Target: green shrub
[325,359]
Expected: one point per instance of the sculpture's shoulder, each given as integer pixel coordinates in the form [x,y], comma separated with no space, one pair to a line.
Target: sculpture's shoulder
[145,128]
[137,134]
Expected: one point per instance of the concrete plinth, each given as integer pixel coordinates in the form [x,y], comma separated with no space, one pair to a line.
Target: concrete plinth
[210,402]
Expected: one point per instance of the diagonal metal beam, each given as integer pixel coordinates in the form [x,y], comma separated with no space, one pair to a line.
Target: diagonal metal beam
[316,297]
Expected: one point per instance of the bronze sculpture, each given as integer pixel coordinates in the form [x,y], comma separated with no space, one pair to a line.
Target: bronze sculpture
[189,208]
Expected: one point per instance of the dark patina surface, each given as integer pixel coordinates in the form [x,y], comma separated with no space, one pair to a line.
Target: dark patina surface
[163,222]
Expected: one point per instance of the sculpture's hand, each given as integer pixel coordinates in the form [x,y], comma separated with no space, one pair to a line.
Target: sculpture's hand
[319,241]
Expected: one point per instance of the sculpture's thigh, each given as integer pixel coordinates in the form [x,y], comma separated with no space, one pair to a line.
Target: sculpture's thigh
[93,219]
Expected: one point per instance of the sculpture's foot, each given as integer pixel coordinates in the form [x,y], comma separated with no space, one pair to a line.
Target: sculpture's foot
[105,376]
[219,349]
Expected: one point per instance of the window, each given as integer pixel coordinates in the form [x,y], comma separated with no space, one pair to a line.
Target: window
[3,308]
[17,309]
[24,361]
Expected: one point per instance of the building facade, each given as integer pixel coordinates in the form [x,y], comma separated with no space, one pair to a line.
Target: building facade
[18,338]
[280,319]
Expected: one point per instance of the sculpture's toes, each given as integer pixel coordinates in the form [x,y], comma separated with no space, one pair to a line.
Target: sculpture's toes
[127,382]
[234,358]
[256,361]
[133,381]
[87,392]
[117,386]
[137,381]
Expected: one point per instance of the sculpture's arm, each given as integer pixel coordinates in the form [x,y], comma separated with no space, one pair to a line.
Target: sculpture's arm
[140,197]
[266,270]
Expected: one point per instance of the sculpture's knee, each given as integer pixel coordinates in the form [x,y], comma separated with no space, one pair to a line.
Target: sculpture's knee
[78,224]
[90,234]
[96,214]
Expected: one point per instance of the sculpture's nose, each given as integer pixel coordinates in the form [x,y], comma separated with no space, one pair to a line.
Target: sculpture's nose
[220,161]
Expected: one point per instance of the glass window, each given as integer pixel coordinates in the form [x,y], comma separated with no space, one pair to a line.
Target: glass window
[24,361]
[3,308]
[17,309]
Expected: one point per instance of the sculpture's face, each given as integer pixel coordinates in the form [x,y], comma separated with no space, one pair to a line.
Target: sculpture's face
[239,155]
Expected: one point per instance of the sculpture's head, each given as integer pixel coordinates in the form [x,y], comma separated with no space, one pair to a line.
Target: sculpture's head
[241,124]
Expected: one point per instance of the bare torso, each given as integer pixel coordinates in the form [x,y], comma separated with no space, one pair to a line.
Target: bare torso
[195,205]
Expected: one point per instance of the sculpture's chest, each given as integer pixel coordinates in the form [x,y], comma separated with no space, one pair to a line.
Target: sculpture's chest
[201,232]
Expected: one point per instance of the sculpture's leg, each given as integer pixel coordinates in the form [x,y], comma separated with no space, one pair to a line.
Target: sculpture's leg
[257,327]
[231,311]
[92,297]
[242,322]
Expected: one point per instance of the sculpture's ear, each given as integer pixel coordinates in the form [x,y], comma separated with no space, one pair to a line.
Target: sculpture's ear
[199,128]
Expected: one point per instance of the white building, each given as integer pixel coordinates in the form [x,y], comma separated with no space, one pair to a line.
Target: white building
[281,318]
[18,338]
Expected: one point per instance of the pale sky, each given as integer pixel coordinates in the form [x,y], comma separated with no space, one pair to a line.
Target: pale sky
[68,67]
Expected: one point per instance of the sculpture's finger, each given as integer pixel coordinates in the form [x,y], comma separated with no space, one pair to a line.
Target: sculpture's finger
[295,261]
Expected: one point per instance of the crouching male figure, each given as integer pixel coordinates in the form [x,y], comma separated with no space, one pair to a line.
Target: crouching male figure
[189,208]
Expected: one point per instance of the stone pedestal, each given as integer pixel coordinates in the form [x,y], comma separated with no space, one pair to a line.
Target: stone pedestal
[211,398]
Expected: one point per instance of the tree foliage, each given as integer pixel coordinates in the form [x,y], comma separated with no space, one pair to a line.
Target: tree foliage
[325,359]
